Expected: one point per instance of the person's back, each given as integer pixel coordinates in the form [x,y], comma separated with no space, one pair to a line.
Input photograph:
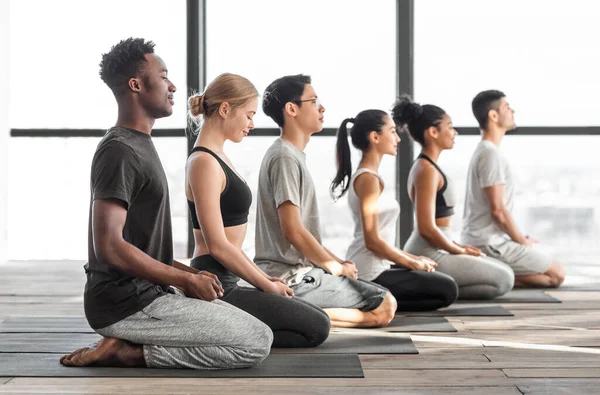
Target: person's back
[288,240]
[487,167]
[487,220]
[412,280]
[369,265]
[126,166]
[274,253]
[434,197]
[151,311]
[219,202]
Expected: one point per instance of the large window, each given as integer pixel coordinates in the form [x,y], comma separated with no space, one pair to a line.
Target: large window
[349,50]
[56,48]
[556,189]
[49,195]
[541,53]
[336,222]
[54,61]
[347,46]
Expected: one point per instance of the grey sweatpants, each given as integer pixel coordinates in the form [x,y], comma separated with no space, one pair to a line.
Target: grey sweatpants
[180,332]
[476,277]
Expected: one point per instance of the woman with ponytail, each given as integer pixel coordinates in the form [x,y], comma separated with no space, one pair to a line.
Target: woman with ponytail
[432,192]
[411,279]
[219,201]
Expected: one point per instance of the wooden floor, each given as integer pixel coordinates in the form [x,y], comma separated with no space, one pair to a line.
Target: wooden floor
[543,349]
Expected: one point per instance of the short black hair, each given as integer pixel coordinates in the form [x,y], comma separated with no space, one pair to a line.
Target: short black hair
[125,60]
[483,103]
[281,91]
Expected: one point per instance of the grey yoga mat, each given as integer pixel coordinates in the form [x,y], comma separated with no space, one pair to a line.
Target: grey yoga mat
[280,365]
[477,311]
[337,343]
[518,296]
[418,324]
[359,343]
[75,324]
[45,342]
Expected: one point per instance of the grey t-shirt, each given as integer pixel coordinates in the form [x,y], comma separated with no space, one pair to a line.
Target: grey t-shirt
[488,167]
[284,177]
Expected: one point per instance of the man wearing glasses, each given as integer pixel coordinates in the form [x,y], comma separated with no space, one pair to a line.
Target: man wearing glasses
[288,240]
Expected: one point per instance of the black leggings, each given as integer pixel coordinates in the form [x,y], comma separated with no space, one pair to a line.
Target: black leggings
[416,290]
[294,322]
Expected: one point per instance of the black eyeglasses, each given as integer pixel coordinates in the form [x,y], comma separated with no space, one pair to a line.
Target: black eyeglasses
[316,101]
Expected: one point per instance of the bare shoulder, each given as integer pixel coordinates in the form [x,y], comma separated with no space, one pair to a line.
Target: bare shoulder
[202,162]
[367,183]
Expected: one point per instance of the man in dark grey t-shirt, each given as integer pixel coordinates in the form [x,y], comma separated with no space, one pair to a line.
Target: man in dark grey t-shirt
[128,297]
[288,240]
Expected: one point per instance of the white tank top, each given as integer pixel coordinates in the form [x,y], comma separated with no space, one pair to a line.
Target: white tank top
[368,264]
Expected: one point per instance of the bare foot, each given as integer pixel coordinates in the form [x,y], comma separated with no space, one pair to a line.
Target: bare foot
[107,352]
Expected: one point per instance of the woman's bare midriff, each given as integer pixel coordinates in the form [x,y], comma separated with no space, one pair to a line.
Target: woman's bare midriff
[443,222]
[235,235]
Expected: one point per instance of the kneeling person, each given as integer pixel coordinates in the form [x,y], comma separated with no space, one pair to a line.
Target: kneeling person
[288,242]
[128,296]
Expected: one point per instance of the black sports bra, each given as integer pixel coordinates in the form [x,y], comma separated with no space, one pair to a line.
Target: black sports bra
[235,198]
[445,198]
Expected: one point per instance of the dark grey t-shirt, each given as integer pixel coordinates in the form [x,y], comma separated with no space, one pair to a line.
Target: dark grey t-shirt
[126,167]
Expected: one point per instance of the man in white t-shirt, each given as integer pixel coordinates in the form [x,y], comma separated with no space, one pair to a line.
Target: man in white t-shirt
[487,219]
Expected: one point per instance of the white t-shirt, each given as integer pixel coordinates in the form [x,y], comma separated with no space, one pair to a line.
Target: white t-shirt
[368,264]
[488,167]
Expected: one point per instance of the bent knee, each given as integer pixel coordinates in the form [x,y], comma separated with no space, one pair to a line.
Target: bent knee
[386,311]
[450,294]
[557,274]
[556,280]
[320,330]
[258,344]
[506,283]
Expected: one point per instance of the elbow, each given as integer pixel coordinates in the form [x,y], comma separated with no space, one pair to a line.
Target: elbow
[217,249]
[373,244]
[427,233]
[291,235]
[498,214]
[107,250]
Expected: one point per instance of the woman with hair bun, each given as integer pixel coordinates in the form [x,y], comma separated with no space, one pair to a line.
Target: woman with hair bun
[411,279]
[219,201]
[434,198]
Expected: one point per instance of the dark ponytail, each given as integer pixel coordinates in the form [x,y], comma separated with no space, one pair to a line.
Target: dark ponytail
[344,160]
[365,122]
[416,118]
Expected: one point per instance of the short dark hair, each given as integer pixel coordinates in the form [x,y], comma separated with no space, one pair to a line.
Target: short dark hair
[125,60]
[483,103]
[415,117]
[281,91]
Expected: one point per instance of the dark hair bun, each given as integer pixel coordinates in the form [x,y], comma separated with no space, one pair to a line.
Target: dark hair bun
[405,111]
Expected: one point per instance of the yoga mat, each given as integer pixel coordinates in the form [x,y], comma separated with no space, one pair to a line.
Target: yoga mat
[281,365]
[359,343]
[518,296]
[76,324]
[578,287]
[337,343]
[45,342]
[418,324]
[455,311]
